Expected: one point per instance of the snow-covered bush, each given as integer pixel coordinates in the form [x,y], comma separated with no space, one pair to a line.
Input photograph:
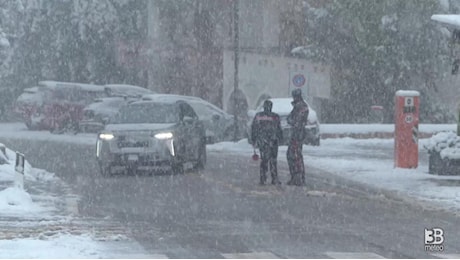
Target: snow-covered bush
[447,144]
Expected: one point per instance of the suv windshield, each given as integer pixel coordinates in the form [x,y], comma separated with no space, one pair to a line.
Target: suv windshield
[147,113]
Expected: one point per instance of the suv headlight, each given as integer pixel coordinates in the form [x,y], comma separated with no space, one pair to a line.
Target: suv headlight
[106,136]
[164,136]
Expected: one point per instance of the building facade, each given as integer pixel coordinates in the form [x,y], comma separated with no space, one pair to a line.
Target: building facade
[192,48]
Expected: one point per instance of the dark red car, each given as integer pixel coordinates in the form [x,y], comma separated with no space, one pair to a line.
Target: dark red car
[57,106]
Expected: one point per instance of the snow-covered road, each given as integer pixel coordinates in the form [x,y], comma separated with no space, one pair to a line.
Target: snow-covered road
[368,161]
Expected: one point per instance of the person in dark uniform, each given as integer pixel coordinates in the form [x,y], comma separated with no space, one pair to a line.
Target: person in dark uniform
[266,134]
[297,119]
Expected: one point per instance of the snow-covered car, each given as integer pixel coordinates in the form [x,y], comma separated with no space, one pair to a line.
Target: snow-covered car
[99,113]
[283,106]
[124,90]
[55,106]
[28,105]
[219,125]
[152,135]
[96,115]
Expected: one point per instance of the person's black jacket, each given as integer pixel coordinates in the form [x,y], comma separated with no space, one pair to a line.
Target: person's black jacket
[266,128]
[298,119]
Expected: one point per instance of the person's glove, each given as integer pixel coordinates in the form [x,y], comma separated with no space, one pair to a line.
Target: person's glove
[255,156]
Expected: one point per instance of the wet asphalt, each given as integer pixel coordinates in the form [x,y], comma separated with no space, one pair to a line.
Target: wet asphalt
[223,212]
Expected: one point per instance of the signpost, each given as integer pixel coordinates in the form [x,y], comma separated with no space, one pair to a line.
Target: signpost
[19,168]
[236,46]
[298,80]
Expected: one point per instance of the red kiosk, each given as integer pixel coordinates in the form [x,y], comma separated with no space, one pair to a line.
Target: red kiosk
[406,128]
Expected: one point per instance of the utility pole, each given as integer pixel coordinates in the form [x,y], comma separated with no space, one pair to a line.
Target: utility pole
[236,60]
[153,43]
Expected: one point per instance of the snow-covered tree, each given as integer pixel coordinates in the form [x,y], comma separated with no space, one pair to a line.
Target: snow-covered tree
[377,47]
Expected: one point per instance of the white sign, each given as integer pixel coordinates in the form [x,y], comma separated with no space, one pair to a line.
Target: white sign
[408,101]
[409,119]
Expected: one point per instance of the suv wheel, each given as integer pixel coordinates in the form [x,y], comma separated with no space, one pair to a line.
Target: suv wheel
[105,170]
[177,167]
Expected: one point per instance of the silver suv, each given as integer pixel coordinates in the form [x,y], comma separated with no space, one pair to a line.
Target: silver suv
[152,135]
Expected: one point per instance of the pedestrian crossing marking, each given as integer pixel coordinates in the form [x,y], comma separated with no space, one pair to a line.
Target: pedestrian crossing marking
[253,255]
[447,256]
[348,255]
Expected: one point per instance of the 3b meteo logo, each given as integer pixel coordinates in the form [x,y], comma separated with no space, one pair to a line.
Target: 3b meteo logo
[434,238]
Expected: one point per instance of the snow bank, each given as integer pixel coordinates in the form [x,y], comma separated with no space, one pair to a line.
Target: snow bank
[445,143]
[13,200]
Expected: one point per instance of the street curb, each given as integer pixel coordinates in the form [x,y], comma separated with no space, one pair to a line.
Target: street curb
[381,135]
[371,191]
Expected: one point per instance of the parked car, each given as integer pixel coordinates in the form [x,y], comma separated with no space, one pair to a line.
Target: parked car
[152,135]
[283,106]
[96,115]
[27,106]
[55,106]
[219,125]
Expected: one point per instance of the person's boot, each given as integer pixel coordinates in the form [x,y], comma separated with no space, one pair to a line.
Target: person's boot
[276,182]
[303,180]
[296,180]
[262,180]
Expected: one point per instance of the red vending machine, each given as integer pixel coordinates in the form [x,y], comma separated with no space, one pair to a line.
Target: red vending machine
[406,128]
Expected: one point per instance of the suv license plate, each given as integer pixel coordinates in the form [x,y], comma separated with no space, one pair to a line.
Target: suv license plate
[133,157]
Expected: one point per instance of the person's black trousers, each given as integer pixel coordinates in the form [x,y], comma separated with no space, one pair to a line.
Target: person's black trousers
[269,155]
[295,162]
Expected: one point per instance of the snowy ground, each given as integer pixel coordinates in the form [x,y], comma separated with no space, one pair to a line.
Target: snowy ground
[36,222]
[349,158]
[34,212]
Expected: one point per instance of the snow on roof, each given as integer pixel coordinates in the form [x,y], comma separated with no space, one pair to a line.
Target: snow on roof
[153,101]
[59,84]
[30,95]
[130,90]
[31,90]
[190,99]
[449,19]
[169,96]
[407,93]
[281,105]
